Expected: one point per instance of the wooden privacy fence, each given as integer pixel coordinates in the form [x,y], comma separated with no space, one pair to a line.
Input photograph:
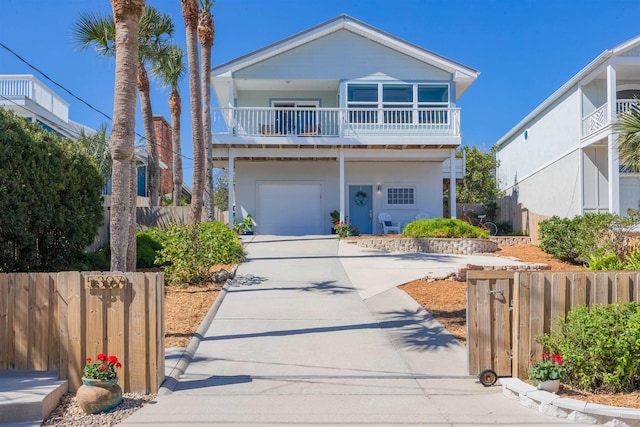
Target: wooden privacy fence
[506,311]
[54,321]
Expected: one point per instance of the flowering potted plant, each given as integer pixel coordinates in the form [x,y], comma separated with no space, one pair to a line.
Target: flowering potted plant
[547,373]
[100,391]
[345,228]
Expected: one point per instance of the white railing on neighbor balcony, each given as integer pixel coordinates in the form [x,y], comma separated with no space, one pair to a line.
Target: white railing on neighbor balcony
[600,118]
[336,122]
[27,86]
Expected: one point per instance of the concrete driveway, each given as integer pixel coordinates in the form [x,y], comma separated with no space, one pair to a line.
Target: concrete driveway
[312,331]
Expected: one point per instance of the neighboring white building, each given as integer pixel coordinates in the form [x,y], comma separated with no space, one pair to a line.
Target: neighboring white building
[562,159]
[29,97]
[340,116]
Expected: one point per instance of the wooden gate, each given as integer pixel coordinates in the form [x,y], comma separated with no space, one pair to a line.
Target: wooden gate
[507,310]
[489,321]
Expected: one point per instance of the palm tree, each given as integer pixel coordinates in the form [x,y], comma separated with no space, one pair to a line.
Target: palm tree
[126,16]
[154,31]
[169,70]
[206,32]
[190,15]
[628,127]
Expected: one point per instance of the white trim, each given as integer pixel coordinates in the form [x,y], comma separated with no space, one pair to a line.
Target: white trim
[232,192]
[341,184]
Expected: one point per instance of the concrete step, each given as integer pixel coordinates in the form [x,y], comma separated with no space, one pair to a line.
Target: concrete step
[29,396]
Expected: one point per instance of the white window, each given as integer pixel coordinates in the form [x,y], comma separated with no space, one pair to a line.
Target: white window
[423,103]
[400,197]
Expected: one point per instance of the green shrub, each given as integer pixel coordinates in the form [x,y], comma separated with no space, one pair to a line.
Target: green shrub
[443,227]
[576,240]
[600,347]
[147,249]
[190,260]
[608,261]
[633,261]
[50,201]
[99,260]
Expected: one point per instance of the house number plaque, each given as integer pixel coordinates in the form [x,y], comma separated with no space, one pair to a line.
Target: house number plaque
[105,282]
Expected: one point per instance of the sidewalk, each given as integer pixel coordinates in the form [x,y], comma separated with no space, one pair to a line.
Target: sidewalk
[294,343]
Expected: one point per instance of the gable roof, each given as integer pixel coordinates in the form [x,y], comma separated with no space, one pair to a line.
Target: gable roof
[582,74]
[463,76]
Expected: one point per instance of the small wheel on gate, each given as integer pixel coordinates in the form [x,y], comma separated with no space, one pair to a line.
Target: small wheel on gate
[488,377]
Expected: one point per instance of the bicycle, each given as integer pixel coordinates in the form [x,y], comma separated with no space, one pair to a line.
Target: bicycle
[491,227]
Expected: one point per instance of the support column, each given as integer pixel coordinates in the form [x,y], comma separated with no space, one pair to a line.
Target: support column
[232,192]
[452,184]
[614,174]
[581,180]
[231,124]
[342,202]
[613,161]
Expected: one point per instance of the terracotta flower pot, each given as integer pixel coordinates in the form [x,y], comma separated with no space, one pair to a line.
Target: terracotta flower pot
[552,386]
[96,396]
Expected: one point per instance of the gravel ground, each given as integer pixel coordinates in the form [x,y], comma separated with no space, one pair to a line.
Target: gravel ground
[68,413]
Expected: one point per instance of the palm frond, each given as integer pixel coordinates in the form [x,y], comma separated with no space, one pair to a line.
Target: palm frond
[170,68]
[95,30]
[628,129]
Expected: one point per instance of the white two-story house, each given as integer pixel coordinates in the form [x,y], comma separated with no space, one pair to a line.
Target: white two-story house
[341,117]
[562,159]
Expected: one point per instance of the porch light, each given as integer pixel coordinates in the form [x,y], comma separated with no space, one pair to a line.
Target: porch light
[379,188]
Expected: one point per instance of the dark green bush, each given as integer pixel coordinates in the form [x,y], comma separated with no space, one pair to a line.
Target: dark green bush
[600,347]
[443,227]
[576,240]
[99,260]
[147,248]
[50,198]
[190,261]
[505,228]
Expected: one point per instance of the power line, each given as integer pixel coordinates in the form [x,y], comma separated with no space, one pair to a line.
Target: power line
[33,67]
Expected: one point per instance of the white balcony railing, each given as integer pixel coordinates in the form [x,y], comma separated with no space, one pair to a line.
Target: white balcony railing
[336,122]
[27,86]
[600,117]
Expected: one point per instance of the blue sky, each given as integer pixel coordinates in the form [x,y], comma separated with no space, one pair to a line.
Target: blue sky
[524,49]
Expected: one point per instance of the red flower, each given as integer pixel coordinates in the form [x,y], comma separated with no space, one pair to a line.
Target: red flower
[558,359]
[113,360]
[545,355]
[102,368]
[337,223]
[102,357]
[118,365]
[88,360]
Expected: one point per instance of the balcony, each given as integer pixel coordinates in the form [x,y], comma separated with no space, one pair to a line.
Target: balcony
[21,87]
[336,122]
[600,119]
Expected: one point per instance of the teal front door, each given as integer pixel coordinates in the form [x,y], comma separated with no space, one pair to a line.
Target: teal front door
[360,207]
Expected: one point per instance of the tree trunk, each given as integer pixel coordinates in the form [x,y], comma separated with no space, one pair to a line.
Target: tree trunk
[190,14]
[206,115]
[153,166]
[206,34]
[175,107]
[133,220]
[126,15]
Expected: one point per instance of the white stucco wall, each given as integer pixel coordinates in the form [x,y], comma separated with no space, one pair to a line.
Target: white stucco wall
[553,191]
[263,98]
[551,136]
[425,176]
[341,55]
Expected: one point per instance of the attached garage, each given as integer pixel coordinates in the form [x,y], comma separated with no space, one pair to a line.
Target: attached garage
[289,208]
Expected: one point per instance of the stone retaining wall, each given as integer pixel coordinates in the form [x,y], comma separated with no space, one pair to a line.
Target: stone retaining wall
[511,240]
[431,245]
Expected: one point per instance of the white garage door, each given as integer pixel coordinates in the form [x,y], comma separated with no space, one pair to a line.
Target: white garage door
[289,209]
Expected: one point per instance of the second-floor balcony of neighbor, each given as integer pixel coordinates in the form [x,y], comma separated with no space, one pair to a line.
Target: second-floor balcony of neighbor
[336,122]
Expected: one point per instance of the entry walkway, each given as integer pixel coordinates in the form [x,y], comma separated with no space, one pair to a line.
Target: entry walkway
[293,343]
